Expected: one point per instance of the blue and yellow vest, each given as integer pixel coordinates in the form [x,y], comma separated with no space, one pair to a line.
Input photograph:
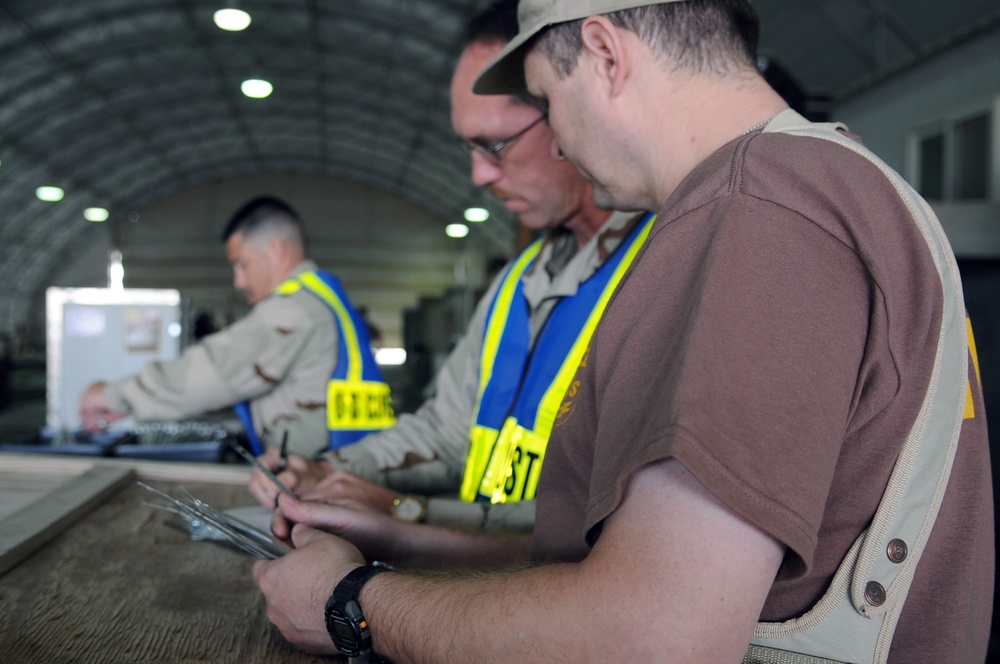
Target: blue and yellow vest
[358,401]
[521,389]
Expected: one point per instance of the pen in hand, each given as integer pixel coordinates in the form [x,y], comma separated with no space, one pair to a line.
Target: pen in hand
[261,467]
[284,454]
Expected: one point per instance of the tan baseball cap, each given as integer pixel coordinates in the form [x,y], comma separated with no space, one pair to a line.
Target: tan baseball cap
[505,73]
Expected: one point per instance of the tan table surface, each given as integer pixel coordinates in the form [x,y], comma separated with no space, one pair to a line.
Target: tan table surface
[121,585]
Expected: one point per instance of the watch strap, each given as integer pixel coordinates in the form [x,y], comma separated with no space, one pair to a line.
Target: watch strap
[343,608]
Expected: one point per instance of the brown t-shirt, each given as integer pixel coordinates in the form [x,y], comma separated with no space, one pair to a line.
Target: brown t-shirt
[776,336]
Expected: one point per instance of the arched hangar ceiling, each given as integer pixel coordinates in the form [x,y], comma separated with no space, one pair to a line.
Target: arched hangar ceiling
[125,102]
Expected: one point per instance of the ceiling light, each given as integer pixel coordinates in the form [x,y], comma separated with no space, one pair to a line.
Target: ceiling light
[477,214]
[256,88]
[390,356]
[95,214]
[233,20]
[49,194]
[456,230]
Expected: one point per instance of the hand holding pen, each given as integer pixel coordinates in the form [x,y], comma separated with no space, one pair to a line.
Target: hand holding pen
[262,468]
[297,473]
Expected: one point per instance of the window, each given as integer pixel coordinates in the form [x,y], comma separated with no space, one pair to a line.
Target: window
[953,159]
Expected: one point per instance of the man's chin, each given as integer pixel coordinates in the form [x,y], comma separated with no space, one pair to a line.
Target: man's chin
[534,223]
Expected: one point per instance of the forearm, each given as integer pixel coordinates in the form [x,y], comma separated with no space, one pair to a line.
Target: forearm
[675,577]
[485,617]
[171,390]
[430,547]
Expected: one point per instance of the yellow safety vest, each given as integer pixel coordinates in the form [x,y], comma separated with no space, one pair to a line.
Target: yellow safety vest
[358,400]
[521,389]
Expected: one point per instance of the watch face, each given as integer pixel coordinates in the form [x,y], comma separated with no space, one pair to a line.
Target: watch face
[345,634]
[348,629]
[408,508]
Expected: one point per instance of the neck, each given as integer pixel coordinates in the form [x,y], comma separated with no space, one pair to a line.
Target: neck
[287,267]
[586,221]
[711,114]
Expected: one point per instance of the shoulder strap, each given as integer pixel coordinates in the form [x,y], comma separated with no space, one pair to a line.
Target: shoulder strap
[855,620]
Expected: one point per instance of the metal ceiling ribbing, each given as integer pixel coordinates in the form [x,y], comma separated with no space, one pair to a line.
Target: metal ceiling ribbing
[125,102]
[838,48]
[122,103]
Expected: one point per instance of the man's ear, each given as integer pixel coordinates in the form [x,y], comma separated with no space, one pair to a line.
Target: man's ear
[602,41]
[277,251]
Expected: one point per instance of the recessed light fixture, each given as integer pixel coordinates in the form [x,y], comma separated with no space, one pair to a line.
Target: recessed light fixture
[390,356]
[477,214]
[232,20]
[49,194]
[256,88]
[456,230]
[95,214]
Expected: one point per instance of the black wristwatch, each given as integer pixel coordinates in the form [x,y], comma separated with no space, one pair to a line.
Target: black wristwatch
[344,620]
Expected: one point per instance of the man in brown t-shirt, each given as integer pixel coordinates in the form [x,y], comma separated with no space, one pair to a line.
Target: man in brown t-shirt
[790,344]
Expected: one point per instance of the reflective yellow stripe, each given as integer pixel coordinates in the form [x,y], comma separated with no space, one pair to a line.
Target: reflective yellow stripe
[325,293]
[554,396]
[481,441]
[970,408]
[358,405]
[288,287]
[482,438]
[498,319]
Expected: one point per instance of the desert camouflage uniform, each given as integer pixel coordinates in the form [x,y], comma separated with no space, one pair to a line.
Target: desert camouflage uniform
[279,357]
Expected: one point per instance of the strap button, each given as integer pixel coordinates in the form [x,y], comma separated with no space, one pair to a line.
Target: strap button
[874,593]
[897,551]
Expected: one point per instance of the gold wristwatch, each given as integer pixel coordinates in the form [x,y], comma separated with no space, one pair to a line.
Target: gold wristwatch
[409,509]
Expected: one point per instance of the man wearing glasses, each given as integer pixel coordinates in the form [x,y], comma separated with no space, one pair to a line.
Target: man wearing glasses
[501,390]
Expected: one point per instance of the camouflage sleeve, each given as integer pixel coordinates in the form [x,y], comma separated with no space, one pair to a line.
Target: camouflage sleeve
[244,361]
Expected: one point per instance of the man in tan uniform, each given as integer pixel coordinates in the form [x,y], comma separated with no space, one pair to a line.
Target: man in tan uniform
[511,152]
[279,357]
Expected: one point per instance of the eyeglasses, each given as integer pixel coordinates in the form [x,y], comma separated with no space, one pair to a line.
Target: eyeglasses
[492,152]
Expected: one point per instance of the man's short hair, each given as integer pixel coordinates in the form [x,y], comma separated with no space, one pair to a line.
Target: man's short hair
[265,217]
[497,24]
[700,36]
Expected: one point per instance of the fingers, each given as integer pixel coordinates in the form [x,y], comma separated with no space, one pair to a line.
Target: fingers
[259,569]
[299,463]
[262,489]
[303,535]
[271,458]
[343,485]
[331,518]
[281,527]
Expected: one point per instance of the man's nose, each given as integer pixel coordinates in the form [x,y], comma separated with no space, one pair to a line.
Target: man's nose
[485,171]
